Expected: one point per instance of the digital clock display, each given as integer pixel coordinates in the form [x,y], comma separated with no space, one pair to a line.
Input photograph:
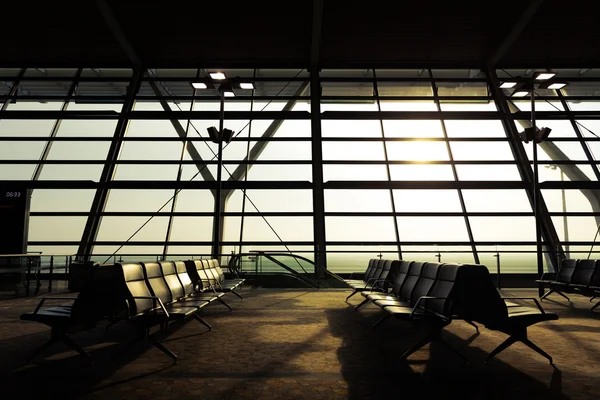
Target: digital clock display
[12,195]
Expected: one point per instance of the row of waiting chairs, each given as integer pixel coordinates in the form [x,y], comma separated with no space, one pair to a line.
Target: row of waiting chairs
[437,293]
[577,276]
[144,294]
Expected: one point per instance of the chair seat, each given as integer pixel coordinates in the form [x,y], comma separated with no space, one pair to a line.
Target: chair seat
[49,315]
[206,296]
[193,302]
[522,317]
[178,311]
[378,296]
[393,303]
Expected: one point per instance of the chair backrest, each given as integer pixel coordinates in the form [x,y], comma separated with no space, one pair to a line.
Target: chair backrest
[400,276]
[596,277]
[370,268]
[206,281]
[136,285]
[170,274]
[429,274]
[443,288]
[380,272]
[584,272]
[411,280]
[184,276]
[213,274]
[157,282]
[218,269]
[386,268]
[475,297]
[567,270]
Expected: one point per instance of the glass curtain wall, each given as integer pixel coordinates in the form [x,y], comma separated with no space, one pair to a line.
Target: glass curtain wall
[416,164]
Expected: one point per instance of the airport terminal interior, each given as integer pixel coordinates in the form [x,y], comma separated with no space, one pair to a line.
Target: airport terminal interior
[323,200]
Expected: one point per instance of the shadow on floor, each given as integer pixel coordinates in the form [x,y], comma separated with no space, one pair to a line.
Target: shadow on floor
[372,367]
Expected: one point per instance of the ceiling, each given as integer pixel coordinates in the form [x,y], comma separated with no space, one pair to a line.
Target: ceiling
[301,34]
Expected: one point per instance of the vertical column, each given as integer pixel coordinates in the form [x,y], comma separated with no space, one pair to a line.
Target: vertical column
[99,203]
[219,204]
[320,251]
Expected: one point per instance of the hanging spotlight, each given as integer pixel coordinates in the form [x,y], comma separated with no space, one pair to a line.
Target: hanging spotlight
[227,135]
[213,133]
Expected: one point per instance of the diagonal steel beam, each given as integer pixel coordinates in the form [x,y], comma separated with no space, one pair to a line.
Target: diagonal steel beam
[115,28]
[256,150]
[514,33]
[100,198]
[191,149]
[549,234]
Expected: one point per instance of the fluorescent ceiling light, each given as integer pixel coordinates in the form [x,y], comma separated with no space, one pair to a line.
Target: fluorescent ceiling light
[199,85]
[228,94]
[544,76]
[217,75]
[557,85]
[508,85]
[246,85]
[520,93]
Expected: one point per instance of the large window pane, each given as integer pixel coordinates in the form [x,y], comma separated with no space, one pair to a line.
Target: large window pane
[421,172]
[413,128]
[347,172]
[427,200]
[488,172]
[61,200]
[55,228]
[358,201]
[367,229]
[432,229]
[417,151]
[506,229]
[496,200]
[122,228]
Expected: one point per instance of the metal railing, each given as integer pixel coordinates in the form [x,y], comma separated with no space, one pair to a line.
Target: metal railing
[23,274]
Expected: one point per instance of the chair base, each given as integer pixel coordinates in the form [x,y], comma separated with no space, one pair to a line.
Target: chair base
[517,337]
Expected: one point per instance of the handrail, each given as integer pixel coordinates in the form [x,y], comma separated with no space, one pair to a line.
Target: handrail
[235,261]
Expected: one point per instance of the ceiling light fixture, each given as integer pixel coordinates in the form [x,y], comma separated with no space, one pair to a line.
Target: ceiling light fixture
[217,75]
[199,85]
[508,85]
[543,76]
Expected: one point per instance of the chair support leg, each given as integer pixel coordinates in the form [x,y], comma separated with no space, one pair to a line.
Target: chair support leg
[595,306]
[563,295]
[439,338]
[351,294]
[220,300]
[417,346]
[509,341]
[384,318]
[548,293]
[197,318]
[365,301]
[472,324]
[237,294]
[517,337]
[162,347]
[71,343]
[533,346]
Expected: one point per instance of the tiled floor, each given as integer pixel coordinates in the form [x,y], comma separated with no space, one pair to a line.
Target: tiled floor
[299,344]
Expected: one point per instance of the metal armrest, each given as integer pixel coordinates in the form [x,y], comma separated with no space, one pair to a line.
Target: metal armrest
[537,303]
[160,303]
[51,298]
[427,298]
[551,273]
[374,281]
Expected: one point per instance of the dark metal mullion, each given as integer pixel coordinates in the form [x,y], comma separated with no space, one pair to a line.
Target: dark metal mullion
[100,198]
[454,173]
[320,250]
[179,173]
[246,170]
[387,168]
[39,167]
[582,140]
[12,92]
